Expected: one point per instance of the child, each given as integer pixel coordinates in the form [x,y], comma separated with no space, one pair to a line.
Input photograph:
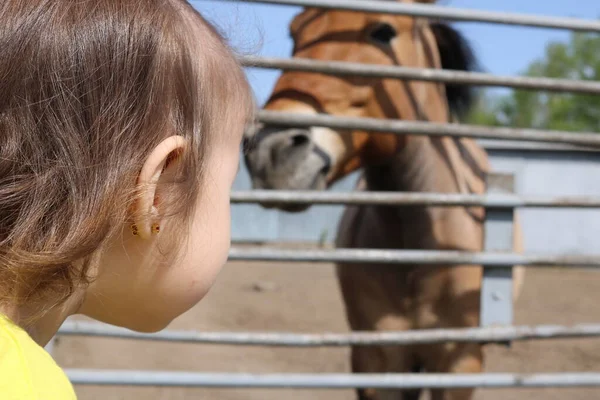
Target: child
[120,129]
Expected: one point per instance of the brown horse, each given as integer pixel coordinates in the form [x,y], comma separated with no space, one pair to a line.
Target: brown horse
[391,297]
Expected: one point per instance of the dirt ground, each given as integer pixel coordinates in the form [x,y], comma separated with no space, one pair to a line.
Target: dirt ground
[305,298]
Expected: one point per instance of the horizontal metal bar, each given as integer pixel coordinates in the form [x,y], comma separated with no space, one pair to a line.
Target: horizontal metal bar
[420,74]
[410,257]
[428,336]
[411,199]
[537,147]
[406,127]
[329,381]
[441,12]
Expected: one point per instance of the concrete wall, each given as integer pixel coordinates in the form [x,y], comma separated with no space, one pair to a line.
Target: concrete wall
[550,172]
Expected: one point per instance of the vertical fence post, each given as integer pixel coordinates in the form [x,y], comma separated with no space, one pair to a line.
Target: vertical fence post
[497,284]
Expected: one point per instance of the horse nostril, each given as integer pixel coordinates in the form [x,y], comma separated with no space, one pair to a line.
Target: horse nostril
[325,169]
[299,140]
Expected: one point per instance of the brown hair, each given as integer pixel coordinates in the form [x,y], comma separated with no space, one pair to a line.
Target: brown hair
[87,90]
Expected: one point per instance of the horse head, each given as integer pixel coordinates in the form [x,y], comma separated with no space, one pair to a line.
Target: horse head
[285,157]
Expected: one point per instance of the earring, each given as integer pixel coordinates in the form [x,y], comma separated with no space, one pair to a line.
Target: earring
[155,229]
[134,230]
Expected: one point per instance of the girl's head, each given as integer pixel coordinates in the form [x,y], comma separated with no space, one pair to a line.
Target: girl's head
[116,118]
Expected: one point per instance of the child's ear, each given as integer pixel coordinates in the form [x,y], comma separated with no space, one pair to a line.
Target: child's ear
[163,155]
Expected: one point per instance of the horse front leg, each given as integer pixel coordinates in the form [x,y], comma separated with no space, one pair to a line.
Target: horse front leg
[383,359]
[374,300]
[455,358]
[369,308]
[451,299]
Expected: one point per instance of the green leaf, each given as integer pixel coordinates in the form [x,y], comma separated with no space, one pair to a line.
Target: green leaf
[579,58]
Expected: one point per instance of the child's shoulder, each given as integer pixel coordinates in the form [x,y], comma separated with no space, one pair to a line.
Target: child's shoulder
[27,371]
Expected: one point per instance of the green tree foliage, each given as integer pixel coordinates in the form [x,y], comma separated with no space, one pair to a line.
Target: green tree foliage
[579,58]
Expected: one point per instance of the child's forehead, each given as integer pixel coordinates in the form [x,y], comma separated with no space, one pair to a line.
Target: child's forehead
[204,41]
[232,97]
[221,79]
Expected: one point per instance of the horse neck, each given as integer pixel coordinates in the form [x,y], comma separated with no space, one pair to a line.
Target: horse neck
[418,167]
[415,168]
[439,165]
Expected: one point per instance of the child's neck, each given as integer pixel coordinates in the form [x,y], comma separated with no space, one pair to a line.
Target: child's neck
[42,330]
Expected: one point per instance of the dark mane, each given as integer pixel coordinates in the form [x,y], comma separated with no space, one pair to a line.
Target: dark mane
[456,54]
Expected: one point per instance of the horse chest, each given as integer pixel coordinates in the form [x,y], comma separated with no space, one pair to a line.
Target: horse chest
[417,292]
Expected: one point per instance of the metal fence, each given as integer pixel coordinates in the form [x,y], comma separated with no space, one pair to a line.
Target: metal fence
[498,259]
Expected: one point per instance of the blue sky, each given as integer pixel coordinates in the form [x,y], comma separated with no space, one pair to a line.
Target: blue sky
[263,30]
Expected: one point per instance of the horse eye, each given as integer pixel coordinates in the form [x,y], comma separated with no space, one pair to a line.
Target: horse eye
[383,33]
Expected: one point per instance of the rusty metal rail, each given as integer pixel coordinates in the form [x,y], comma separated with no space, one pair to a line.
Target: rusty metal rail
[341,68]
[330,381]
[410,257]
[429,336]
[411,199]
[441,12]
[403,127]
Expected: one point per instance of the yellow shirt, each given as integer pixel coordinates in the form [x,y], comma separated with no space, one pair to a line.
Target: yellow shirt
[27,371]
